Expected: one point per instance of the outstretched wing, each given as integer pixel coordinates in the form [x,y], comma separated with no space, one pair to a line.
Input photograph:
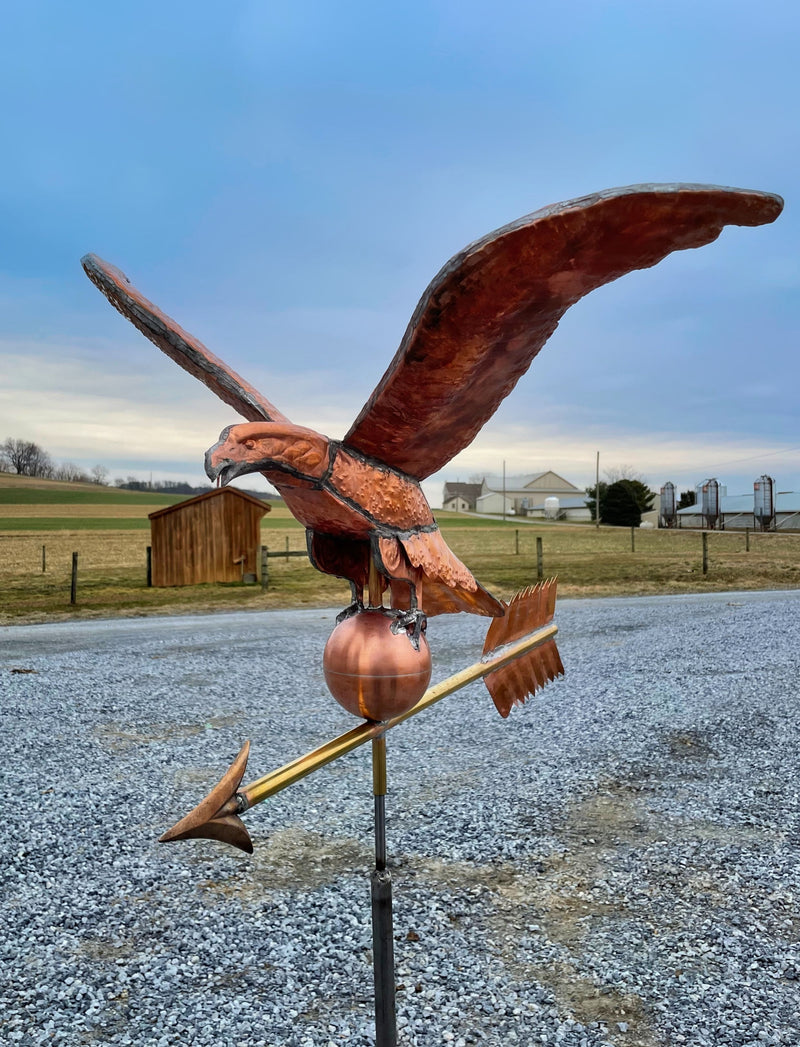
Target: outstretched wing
[180,346]
[490,310]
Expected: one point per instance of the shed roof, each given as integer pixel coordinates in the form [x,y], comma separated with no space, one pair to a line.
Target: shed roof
[218,492]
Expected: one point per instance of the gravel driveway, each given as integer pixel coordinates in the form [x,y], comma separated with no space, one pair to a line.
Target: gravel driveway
[617,863]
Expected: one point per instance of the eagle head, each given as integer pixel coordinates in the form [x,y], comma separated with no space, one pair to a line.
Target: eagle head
[268,447]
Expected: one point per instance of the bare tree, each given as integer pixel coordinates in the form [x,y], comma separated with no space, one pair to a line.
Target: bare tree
[622,472]
[99,474]
[27,458]
[70,472]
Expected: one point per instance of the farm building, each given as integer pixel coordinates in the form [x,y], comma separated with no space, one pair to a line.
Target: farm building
[215,537]
[461,498]
[521,496]
[738,512]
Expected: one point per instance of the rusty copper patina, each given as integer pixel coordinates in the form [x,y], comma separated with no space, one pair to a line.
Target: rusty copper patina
[474,333]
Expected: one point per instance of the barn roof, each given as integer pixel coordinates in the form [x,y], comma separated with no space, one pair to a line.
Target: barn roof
[526,483]
[464,489]
[218,492]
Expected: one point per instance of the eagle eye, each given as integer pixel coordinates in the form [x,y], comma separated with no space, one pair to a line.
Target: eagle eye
[249,444]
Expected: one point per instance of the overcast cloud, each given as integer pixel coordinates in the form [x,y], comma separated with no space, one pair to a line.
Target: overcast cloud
[285,179]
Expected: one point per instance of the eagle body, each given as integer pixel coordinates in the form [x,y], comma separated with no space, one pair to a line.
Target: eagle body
[354,510]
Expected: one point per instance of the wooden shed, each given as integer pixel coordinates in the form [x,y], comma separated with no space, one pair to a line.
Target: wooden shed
[215,537]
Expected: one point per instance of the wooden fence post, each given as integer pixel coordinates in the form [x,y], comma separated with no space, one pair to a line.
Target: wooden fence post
[264,567]
[73,589]
[633,539]
[539,560]
[44,558]
[287,551]
[705,552]
[516,540]
[747,539]
[149,567]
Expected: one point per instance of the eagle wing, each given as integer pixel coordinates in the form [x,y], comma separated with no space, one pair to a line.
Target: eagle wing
[183,348]
[492,307]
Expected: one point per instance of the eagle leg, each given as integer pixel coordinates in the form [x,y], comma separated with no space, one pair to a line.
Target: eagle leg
[346,558]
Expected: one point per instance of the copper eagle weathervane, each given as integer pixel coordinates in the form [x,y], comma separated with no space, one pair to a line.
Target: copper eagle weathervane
[474,333]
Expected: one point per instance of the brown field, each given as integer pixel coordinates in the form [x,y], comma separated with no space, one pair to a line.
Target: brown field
[11,480]
[81,511]
[588,562]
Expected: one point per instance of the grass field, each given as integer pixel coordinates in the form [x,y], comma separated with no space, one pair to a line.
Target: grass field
[30,490]
[111,536]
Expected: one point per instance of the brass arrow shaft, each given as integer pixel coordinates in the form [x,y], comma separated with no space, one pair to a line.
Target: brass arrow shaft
[275,781]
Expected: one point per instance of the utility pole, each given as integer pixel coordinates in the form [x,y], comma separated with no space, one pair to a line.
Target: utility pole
[597,493]
[504,488]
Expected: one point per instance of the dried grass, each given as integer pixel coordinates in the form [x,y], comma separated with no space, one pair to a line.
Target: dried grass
[588,562]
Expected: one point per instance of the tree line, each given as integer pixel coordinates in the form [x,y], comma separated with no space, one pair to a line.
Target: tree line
[26,458]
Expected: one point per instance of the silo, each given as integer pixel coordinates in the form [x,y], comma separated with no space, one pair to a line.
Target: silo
[764,502]
[551,507]
[710,503]
[669,509]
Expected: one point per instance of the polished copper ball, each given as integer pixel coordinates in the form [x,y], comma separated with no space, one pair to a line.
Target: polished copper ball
[373,672]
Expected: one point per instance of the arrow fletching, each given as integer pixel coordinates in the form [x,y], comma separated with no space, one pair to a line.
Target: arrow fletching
[528,611]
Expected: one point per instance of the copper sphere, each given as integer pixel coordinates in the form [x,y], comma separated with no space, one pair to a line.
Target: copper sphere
[373,672]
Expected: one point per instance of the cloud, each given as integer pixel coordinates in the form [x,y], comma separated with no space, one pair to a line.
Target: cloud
[97,402]
[683,458]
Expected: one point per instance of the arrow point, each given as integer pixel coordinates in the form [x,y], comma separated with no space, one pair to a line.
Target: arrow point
[216,817]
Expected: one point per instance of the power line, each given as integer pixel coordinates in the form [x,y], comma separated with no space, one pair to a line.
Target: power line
[753,458]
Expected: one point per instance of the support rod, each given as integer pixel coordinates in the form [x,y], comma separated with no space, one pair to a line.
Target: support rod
[379,793]
[382,925]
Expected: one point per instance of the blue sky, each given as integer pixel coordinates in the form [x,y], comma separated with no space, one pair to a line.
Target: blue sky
[286,178]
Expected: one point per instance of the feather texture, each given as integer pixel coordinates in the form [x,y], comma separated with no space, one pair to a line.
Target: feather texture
[529,610]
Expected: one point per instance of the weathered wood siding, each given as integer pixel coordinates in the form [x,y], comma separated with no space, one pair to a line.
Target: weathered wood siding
[201,539]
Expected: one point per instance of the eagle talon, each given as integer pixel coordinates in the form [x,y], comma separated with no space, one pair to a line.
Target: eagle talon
[356,607]
[413,623]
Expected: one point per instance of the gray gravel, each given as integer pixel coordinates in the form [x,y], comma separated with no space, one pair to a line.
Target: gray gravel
[617,863]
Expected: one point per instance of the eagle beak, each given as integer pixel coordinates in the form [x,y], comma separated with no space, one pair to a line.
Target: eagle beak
[222,468]
[215,470]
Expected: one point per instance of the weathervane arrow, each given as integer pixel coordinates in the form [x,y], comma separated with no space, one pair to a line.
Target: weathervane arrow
[537,660]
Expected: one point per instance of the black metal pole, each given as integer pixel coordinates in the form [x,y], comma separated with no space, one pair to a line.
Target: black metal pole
[382,932]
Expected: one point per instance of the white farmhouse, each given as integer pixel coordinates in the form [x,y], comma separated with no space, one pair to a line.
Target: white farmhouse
[519,495]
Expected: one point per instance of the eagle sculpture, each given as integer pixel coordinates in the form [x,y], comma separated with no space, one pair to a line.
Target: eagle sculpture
[474,333]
